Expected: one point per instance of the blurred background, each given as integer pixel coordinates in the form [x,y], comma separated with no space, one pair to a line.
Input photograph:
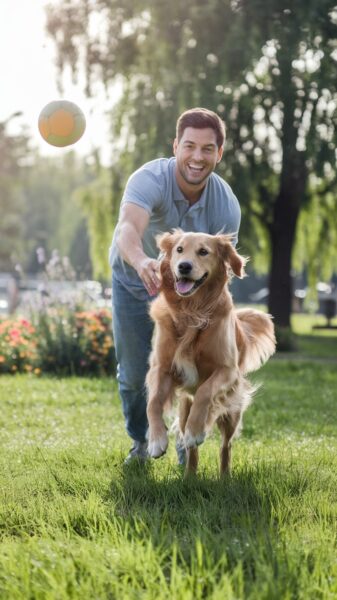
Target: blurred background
[267,68]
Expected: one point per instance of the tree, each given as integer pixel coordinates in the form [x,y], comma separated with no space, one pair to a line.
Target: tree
[267,68]
[36,204]
[13,148]
[297,78]
[52,217]
[95,201]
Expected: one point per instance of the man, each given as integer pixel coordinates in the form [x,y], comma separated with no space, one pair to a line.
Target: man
[182,191]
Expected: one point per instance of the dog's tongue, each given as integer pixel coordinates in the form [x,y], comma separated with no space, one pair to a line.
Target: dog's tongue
[184,285]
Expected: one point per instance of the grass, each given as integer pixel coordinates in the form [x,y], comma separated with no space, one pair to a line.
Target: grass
[76,524]
[315,343]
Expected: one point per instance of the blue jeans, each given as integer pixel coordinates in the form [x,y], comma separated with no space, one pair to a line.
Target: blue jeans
[132,331]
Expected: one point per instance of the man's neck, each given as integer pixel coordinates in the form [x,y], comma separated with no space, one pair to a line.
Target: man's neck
[192,193]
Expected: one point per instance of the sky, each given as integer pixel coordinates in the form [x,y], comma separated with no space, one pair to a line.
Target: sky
[28,79]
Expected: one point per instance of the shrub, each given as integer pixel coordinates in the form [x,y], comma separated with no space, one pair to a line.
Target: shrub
[59,341]
[60,337]
[18,347]
[75,342]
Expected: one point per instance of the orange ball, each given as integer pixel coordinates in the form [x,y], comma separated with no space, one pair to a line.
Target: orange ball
[61,123]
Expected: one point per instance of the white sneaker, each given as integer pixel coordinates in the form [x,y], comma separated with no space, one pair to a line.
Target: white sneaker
[138,453]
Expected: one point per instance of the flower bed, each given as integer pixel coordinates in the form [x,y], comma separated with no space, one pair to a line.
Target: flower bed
[58,341]
[18,351]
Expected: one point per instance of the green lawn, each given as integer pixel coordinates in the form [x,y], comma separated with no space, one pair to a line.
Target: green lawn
[76,524]
[315,343]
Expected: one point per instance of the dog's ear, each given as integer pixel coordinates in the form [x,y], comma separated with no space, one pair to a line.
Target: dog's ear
[237,262]
[231,256]
[165,241]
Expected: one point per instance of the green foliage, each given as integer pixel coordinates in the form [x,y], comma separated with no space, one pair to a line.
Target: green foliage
[75,342]
[76,524]
[13,150]
[268,70]
[52,219]
[35,204]
[96,203]
[316,240]
[60,341]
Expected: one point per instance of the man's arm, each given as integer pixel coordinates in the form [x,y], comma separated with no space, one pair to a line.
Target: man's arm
[133,221]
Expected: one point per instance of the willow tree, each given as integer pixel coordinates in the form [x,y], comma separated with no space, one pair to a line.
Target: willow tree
[13,149]
[269,69]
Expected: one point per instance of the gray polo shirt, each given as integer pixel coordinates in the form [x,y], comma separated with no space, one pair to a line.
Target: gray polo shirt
[154,188]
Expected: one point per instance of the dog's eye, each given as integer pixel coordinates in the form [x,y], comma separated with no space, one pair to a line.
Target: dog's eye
[203,252]
[180,249]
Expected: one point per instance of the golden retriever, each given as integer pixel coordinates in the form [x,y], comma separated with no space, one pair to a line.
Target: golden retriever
[203,346]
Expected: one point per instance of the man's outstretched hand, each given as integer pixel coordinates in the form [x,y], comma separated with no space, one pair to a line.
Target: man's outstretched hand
[148,271]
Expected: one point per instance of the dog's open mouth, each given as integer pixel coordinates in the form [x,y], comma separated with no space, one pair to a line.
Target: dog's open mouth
[185,286]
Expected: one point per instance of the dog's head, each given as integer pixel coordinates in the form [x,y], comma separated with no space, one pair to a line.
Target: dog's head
[197,258]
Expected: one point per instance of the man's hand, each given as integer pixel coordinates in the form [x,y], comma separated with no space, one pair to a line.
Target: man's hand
[148,271]
[132,224]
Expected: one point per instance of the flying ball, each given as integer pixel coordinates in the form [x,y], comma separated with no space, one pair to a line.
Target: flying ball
[61,123]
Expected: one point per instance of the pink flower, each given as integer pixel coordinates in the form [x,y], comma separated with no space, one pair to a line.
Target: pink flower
[14,333]
[24,323]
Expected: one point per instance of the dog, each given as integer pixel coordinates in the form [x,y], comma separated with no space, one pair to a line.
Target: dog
[203,347]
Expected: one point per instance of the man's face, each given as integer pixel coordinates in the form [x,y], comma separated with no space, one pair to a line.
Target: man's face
[197,154]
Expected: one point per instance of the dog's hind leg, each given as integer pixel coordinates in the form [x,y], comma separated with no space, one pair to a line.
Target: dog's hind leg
[192,461]
[228,425]
[185,403]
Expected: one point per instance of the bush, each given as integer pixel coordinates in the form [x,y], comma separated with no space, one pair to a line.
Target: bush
[59,341]
[18,347]
[75,343]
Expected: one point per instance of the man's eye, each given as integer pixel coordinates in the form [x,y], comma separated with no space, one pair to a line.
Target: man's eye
[180,249]
[203,252]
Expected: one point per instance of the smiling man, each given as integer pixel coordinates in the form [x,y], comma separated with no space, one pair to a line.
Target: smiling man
[197,154]
[182,191]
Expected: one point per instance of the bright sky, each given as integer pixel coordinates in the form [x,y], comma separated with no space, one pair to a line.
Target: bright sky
[28,78]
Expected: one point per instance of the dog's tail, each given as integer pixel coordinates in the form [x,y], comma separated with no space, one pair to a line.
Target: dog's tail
[255,338]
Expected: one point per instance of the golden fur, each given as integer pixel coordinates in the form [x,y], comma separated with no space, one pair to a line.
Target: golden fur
[203,346]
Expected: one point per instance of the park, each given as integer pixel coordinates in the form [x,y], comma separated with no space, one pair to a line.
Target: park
[76,521]
[75,524]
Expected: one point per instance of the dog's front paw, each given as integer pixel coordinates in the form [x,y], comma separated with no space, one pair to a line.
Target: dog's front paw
[158,446]
[193,440]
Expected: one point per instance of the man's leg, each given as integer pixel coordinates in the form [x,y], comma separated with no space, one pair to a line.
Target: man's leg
[132,330]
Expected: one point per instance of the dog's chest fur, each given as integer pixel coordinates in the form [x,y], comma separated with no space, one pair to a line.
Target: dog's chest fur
[196,336]
[187,356]
[187,373]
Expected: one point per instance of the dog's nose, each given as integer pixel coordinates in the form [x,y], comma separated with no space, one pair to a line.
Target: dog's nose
[185,268]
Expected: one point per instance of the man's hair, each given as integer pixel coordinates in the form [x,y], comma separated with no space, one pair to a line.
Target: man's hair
[201,118]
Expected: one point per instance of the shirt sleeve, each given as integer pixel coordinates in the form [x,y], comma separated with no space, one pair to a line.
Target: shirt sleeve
[227,217]
[144,189]
[234,219]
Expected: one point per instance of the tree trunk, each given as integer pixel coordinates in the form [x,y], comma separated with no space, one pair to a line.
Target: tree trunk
[282,241]
[282,232]
[287,205]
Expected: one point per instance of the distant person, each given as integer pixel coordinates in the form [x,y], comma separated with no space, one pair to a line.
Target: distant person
[182,191]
